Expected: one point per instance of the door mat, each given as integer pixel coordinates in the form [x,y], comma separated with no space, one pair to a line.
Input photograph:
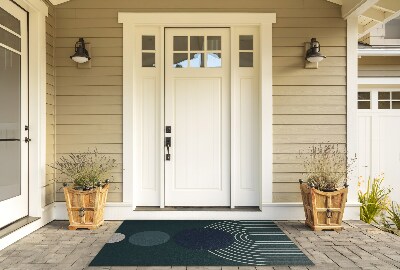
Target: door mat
[199,243]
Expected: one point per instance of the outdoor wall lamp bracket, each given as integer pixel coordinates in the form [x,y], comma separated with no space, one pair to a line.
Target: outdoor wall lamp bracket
[81,54]
[313,54]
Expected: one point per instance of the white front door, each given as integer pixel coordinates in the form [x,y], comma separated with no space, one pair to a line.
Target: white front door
[197,110]
[13,113]
[379,133]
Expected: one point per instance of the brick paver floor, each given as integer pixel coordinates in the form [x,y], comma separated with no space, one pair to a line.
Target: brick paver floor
[358,246]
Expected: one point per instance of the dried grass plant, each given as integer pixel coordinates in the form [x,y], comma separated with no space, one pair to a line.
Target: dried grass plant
[326,167]
[85,169]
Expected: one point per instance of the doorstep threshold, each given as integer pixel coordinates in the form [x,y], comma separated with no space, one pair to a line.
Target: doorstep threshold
[207,208]
[9,229]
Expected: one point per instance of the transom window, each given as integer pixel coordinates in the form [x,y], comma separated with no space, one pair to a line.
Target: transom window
[197,52]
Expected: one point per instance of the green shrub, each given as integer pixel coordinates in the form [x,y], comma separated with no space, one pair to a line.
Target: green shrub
[393,214]
[374,200]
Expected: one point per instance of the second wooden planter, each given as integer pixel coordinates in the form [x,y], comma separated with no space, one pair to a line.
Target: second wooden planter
[323,210]
[86,208]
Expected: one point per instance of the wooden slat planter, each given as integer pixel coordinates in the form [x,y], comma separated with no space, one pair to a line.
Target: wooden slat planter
[86,208]
[323,210]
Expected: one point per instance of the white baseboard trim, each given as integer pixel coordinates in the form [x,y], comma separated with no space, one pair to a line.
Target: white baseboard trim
[47,216]
[270,211]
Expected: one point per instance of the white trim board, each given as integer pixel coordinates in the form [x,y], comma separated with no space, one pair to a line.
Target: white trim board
[270,211]
[378,80]
[352,89]
[132,125]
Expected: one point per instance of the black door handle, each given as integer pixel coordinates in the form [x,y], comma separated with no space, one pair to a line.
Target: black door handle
[10,140]
[168,145]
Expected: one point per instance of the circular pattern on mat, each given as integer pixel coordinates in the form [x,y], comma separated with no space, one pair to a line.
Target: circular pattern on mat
[203,239]
[149,238]
[256,243]
[116,237]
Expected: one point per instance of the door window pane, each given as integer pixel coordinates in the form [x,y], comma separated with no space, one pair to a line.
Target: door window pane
[384,95]
[10,123]
[364,105]
[246,42]
[197,60]
[364,95]
[148,43]
[396,95]
[383,105]
[214,43]
[180,43]
[196,43]
[180,60]
[214,60]
[10,21]
[10,40]
[396,105]
[148,59]
[245,59]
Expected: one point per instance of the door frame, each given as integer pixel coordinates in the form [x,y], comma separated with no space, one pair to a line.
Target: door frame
[37,13]
[132,118]
[16,207]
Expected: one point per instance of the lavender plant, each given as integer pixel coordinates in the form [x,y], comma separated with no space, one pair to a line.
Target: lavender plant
[326,167]
[85,169]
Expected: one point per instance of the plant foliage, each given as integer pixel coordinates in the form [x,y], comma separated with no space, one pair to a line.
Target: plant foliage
[326,168]
[85,169]
[393,214]
[374,200]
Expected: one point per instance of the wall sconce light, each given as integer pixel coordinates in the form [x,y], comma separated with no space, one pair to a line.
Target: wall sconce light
[313,55]
[81,54]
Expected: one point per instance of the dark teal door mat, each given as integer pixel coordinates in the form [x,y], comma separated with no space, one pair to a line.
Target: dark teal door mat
[199,243]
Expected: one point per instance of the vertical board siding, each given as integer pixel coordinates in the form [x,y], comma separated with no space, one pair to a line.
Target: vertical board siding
[49,187]
[379,66]
[309,104]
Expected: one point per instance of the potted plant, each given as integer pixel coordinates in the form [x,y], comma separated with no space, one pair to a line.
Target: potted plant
[324,192]
[87,196]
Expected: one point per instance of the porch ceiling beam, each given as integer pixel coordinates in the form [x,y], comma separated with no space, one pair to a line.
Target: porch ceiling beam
[356,7]
[389,5]
[388,16]
[375,14]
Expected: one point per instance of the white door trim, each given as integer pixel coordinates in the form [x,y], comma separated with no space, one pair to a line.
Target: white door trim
[131,119]
[37,12]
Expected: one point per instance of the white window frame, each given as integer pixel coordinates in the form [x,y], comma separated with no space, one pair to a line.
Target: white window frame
[131,150]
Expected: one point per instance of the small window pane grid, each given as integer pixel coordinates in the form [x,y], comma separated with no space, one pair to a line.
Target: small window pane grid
[384,100]
[246,51]
[148,51]
[197,52]
[364,100]
[389,100]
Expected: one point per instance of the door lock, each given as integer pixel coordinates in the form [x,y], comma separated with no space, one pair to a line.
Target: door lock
[168,145]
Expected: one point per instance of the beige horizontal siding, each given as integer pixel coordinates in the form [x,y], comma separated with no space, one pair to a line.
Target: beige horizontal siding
[309,104]
[379,66]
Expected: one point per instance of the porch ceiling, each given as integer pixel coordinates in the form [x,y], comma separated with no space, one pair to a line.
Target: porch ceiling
[371,13]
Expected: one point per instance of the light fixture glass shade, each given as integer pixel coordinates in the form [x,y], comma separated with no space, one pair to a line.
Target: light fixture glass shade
[81,54]
[313,54]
